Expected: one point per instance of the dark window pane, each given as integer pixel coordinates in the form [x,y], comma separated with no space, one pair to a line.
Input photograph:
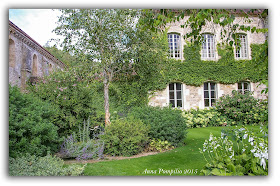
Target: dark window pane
[212,86]
[171,86]
[213,94]
[205,86]
[206,102]
[178,86]
[246,86]
[179,95]
[179,103]
[171,95]
[239,86]
[206,94]
[172,103]
[213,101]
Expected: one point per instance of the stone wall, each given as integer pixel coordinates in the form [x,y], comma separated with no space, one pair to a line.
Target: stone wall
[28,59]
[193,95]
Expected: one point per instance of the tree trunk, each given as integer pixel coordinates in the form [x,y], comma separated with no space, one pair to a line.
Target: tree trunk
[106,100]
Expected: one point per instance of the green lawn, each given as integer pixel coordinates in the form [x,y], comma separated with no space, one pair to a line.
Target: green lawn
[182,161]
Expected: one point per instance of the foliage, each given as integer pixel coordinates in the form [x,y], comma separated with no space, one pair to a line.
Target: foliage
[63,56]
[166,124]
[126,136]
[85,145]
[105,36]
[158,145]
[42,166]
[242,154]
[196,118]
[193,71]
[243,108]
[76,98]
[31,128]
[81,150]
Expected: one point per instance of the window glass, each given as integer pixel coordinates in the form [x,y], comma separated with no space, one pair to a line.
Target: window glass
[210,94]
[175,94]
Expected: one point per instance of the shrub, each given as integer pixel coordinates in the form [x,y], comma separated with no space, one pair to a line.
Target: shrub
[76,98]
[30,125]
[196,118]
[42,166]
[237,152]
[243,108]
[166,124]
[127,136]
[82,150]
[158,145]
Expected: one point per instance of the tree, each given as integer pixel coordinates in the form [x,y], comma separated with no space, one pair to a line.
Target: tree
[104,36]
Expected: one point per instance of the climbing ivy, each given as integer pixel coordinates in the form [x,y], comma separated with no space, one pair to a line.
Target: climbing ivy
[227,70]
[134,90]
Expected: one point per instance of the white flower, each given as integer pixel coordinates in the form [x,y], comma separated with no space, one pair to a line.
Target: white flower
[241,129]
[263,163]
[232,155]
[230,149]
[250,139]
[245,136]
[243,150]
[257,155]
[216,146]
[265,155]
[253,150]
[261,144]
[211,138]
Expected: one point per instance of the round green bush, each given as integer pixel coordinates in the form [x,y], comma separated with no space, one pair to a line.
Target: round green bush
[243,108]
[30,125]
[127,136]
[165,123]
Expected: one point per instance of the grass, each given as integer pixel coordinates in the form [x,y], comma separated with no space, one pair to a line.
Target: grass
[182,161]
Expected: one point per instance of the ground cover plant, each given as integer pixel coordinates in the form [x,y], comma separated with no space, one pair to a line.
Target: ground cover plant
[237,152]
[42,166]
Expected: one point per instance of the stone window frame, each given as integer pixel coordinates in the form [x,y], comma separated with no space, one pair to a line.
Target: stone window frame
[244,46]
[172,52]
[12,53]
[242,89]
[212,52]
[209,90]
[175,105]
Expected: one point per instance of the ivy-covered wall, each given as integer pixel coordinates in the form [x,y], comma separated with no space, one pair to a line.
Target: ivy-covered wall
[226,72]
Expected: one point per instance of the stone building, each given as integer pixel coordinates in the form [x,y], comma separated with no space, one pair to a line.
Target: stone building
[185,96]
[28,59]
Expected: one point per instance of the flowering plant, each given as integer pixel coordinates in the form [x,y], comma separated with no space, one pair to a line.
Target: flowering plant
[196,118]
[243,108]
[236,152]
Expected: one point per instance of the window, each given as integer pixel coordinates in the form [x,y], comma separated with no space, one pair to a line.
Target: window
[34,66]
[12,53]
[208,46]
[241,51]
[174,43]
[210,94]
[175,95]
[244,87]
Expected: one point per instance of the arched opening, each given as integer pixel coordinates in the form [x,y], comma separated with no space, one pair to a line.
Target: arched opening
[34,66]
[50,68]
[12,53]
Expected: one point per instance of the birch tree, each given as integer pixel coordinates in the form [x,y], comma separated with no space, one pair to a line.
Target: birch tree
[105,36]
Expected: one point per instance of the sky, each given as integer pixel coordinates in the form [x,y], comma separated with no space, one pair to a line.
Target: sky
[37,23]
